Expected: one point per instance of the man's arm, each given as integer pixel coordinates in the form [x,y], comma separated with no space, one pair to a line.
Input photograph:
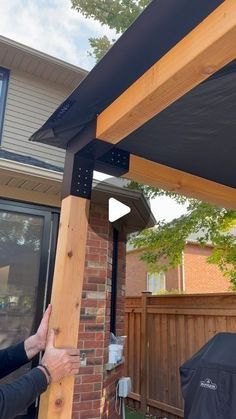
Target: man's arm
[55,365]
[15,356]
[37,343]
[19,395]
[12,358]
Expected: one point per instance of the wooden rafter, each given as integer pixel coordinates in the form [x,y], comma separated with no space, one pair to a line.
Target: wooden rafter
[56,403]
[206,49]
[164,177]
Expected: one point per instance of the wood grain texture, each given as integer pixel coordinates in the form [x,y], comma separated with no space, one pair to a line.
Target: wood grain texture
[56,403]
[144,351]
[206,49]
[167,178]
[177,326]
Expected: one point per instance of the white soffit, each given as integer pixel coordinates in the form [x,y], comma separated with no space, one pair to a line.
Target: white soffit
[14,55]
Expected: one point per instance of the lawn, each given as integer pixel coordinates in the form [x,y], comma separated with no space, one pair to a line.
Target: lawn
[131,414]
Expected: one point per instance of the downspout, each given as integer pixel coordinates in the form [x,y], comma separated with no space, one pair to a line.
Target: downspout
[182,273]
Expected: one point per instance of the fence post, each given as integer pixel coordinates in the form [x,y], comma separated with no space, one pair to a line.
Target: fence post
[144,351]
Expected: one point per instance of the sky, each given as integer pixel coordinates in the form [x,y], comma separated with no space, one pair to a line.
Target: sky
[53,27]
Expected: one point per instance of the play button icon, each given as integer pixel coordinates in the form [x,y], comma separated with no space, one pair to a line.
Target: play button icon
[115,206]
[117,210]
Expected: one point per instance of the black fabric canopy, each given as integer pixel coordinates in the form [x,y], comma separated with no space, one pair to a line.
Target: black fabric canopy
[208,380]
[196,134]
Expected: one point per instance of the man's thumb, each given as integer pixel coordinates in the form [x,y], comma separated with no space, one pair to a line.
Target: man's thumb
[50,339]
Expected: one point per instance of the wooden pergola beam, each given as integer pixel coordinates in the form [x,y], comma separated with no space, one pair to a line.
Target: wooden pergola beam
[56,403]
[205,50]
[167,178]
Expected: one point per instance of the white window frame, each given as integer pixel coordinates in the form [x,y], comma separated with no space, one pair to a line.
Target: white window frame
[156,275]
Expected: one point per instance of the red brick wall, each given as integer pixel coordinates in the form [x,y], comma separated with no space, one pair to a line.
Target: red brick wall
[201,276]
[136,275]
[94,392]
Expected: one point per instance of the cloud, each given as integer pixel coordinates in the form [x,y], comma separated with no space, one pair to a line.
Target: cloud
[53,27]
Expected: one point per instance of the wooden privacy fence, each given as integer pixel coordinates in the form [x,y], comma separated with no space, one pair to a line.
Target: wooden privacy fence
[163,332]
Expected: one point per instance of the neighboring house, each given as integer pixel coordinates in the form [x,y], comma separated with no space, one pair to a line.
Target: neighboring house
[194,275]
[32,85]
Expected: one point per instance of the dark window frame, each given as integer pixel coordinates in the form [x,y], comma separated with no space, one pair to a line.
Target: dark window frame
[47,260]
[4,76]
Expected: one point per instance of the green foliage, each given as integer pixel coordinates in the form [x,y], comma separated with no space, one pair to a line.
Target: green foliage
[151,192]
[133,414]
[99,46]
[164,244]
[170,292]
[116,14]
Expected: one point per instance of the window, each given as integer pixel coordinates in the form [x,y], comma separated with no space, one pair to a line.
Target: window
[4,76]
[28,235]
[156,282]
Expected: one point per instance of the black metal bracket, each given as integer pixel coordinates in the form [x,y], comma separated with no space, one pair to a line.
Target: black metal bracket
[115,162]
[78,176]
[85,156]
[82,177]
[107,158]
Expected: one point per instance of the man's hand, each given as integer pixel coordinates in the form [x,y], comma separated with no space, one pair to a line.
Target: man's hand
[60,362]
[37,343]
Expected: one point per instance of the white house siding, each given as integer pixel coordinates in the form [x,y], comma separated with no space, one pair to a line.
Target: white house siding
[30,101]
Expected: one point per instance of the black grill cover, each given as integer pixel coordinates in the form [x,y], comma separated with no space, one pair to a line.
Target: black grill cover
[208,380]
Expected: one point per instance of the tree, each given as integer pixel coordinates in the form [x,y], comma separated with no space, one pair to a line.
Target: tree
[116,14]
[99,46]
[165,243]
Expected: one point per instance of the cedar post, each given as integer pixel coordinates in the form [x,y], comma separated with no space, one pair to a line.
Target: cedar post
[80,161]
[144,351]
[56,403]
[66,298]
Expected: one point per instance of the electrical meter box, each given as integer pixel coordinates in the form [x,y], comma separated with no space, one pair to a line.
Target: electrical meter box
[124,386]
